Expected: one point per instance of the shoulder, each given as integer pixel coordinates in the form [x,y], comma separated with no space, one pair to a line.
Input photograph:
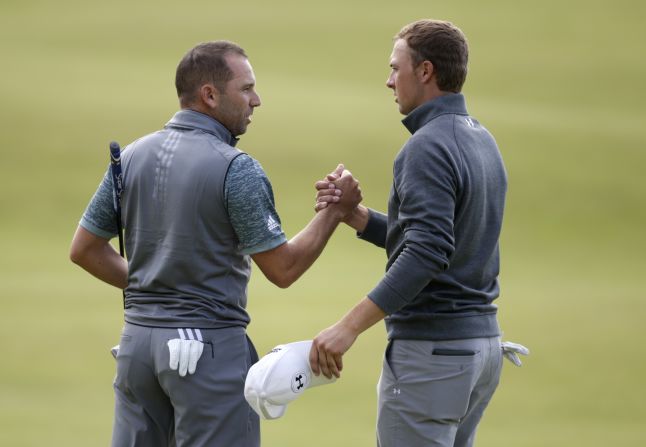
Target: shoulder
[432,139]
[246,176]
[244,165]
[433,148]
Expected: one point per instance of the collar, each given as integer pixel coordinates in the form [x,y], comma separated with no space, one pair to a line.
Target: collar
[452,103]
[190,119]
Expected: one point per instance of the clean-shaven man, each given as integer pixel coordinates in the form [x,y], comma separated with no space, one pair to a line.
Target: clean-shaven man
[445,210]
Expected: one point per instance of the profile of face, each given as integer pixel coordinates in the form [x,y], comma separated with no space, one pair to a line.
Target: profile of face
[404,78]
[236,103]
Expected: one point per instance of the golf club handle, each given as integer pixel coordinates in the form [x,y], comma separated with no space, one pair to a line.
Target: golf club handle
[117,185]
[117,177]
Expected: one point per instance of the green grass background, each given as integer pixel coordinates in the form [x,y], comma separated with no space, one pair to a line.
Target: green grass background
[560,84]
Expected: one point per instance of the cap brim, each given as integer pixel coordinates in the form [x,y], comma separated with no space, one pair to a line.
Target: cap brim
[271,411]
[263,408]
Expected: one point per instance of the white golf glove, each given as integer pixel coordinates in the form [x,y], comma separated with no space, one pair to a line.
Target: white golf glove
[511,350]
[185,352]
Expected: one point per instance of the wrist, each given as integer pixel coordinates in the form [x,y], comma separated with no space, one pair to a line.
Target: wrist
[333,212]
[358,218]
[350,326]
[364,315]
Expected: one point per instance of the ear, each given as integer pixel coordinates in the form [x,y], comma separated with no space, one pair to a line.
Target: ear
[425,72]
[209,95]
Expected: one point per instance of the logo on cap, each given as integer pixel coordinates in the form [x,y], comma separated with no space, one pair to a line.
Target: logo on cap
[300,382]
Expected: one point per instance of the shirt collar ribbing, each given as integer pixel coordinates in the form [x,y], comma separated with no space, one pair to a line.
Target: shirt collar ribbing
[190,119]
[451,103]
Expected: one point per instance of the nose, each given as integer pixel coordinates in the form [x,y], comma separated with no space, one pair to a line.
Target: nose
[390,83]
[255,100]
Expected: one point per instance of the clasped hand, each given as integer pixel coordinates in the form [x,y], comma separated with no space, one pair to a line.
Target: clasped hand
[339,188]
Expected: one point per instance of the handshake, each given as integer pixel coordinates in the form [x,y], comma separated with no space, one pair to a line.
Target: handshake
[340,189]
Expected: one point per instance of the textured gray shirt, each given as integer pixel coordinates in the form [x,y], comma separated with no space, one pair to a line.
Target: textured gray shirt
[250,200]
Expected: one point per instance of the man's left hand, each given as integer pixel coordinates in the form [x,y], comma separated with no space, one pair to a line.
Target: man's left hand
[326,355]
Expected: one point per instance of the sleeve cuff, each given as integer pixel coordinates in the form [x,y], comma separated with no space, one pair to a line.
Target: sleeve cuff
[89,226]
[387,298]
[375,231]
[265,246]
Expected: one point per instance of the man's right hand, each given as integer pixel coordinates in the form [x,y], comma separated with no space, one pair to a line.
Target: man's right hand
[326,191]
[339,188]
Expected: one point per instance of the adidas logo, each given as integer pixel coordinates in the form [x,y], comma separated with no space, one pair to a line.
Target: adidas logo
[272,224]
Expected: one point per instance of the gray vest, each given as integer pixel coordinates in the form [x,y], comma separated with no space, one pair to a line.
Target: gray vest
[184,268]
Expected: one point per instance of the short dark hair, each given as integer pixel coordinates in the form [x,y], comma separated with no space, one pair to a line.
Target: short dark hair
[202,64]
[444,45]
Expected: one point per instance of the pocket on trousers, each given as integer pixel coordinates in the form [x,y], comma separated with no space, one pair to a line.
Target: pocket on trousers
[387,364]
[387,380]
[454,352]
[253,354]
[450,381]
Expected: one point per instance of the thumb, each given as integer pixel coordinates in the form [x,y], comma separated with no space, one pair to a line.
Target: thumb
[173,350]
[336,174]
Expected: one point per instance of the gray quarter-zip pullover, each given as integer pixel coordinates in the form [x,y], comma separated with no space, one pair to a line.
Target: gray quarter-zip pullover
[441,233]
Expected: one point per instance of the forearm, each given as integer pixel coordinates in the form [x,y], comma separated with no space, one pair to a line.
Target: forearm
[286,263]
[96,256]
[329,346]
[362,316]
[108,266]
[308,244]
[416,265]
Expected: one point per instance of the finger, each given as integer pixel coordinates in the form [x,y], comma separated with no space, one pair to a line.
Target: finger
[183,357]
[323,363]
[195,352]
[329,192]
[319,206]
[346,182]
[328,199]
[339,363]
[345,173]
[314,360]
[324,184]
[331,366]
[173,353]
[339,170]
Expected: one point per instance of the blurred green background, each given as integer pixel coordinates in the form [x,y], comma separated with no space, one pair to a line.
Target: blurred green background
[558,83]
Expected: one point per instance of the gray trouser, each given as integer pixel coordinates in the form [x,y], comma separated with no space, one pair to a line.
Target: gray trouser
[155,407]
[433,393]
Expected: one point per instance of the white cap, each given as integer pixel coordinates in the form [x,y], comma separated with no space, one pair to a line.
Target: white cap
[280,377]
